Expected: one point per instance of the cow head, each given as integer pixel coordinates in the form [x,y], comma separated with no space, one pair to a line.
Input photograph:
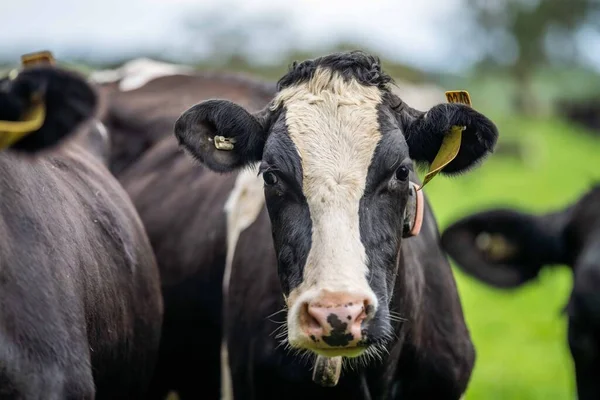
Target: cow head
[41,106]
[506,248]
[336,151]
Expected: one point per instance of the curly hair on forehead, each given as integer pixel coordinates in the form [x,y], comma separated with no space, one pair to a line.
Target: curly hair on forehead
[363,67]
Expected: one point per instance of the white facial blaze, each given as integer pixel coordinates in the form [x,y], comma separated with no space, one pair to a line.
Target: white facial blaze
[334,125]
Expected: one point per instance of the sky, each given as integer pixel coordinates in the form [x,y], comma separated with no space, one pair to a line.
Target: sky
[423,33]
[408,30]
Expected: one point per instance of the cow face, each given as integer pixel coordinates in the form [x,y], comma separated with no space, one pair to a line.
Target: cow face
[336,152]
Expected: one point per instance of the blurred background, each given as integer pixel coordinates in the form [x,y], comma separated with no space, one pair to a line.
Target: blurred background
[531,65]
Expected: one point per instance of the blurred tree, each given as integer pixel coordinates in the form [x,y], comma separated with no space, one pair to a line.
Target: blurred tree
[263,44]
[523,35]
[229,36]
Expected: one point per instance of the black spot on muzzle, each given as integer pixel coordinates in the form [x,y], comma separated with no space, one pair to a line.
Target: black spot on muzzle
[338,337]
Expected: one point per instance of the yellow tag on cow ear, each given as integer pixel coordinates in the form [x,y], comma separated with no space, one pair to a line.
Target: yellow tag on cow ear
[458,96]
[40,57]
[33,119]
[451,142]
[12,131]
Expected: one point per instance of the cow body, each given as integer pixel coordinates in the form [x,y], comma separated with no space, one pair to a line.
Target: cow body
[227,273]
[79,288]
[188,230]
[507,248]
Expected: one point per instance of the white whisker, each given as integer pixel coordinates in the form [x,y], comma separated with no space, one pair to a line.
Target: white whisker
[276,313]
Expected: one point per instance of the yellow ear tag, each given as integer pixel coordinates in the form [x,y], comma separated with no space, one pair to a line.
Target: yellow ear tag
[40,57]
[451,142]
[33,119]
[12,131]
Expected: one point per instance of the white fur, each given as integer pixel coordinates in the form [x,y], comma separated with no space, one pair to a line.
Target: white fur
[136,73]
[334,125]
[242,208]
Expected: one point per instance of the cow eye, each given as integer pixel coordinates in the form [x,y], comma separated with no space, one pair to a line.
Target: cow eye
[402,173]
[270,178]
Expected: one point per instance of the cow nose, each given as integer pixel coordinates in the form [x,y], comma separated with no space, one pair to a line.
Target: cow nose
[337,324]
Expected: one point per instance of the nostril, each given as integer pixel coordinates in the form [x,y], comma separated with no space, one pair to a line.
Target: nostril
[361,314]
[310,320]
[369,310]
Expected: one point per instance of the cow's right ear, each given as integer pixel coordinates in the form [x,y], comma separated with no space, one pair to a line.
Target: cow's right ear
[222,135]
[505,248]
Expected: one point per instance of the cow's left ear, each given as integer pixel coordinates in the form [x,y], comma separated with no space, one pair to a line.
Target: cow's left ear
[425,132]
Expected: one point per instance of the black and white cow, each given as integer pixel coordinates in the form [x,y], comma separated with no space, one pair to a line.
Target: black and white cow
[507,248]
[80,303]
[336,149]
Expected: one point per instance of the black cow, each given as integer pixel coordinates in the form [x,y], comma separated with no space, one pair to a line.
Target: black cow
[507,248]
[80,304]
[335,149]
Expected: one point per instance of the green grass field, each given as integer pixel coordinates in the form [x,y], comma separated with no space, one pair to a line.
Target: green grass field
[520,334]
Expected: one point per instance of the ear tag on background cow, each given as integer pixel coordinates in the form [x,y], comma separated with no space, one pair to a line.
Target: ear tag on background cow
[327,371]
[33,119]
[451,143]
[13,131]
[40,57]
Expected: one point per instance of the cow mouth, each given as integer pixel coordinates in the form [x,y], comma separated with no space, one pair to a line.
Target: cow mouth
[348,352]
[332,348]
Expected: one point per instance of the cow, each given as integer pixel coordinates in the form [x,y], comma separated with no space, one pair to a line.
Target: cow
[507,248]
[300,216]
[80,302]
[144,97]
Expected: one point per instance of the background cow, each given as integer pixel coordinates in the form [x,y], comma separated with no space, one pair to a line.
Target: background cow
[144,97]
[143,100]
[79,288]
[507,248]
[200,222]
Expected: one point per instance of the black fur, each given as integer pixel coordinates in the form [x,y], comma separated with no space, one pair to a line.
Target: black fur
[570,236]
[381,219]
[79,287]
[290,217]
[69,101]
[358,65]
